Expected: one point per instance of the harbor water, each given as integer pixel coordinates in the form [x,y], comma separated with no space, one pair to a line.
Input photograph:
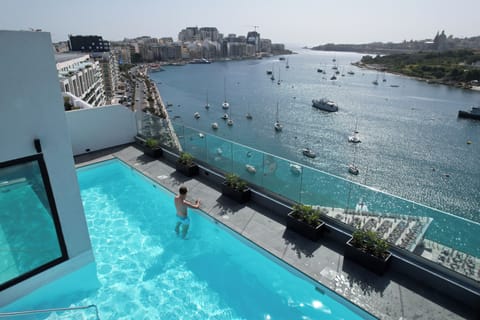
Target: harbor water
[412,143]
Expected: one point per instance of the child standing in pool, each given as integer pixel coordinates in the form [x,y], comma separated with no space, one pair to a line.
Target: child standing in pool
[181,204]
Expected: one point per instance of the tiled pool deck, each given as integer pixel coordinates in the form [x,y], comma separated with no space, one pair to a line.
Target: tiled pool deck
[391,296]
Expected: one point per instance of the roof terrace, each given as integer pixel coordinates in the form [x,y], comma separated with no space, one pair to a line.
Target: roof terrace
[398,294]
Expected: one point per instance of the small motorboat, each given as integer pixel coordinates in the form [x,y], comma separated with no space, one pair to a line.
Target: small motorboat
[249,116]
[278,126]
[353,169]
[214,126]
[307,152]
[225,116]
[196,115]
[230,122]
[354,139]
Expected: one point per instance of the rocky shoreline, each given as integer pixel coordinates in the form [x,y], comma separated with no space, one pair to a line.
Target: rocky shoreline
[382,68]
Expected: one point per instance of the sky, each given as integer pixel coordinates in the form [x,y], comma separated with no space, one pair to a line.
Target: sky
[294,22]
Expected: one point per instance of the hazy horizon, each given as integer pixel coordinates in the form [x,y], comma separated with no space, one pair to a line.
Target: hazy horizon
[300,23]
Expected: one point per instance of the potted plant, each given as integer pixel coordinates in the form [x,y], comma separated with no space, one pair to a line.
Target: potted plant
[152,148]
[305,220]
[368,249]
[186,165]
[236,188]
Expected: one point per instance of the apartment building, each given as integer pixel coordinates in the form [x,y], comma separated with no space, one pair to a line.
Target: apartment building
[82,76]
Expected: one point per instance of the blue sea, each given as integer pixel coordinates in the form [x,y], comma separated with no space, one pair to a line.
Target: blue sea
[412,143]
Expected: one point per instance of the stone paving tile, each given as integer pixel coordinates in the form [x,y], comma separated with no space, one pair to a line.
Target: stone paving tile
[236,218]
[388,297]
[265,232]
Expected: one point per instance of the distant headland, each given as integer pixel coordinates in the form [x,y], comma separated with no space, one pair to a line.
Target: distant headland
[441,42]
[443,60]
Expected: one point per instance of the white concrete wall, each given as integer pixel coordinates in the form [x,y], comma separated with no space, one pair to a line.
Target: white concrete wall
[101,127]
[31,106]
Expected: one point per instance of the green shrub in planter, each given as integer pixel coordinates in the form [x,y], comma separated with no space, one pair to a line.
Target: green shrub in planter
[368,249]
[305,220]
[186,164]
[236,188]
[152,148]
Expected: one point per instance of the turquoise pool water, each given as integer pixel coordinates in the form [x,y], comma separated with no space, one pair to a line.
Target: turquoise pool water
[147,272]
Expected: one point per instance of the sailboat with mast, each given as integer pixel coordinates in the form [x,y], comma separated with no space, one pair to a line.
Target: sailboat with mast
[352,167]
[248,115]
[207,105]
[353,138]
[225,104]
[230,120]
[278,126]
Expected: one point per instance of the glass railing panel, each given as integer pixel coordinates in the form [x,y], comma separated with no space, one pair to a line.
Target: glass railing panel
[347,201]
[248,163]
[194,142]
[319,188]
[282,177]
[179,130]
[219,153]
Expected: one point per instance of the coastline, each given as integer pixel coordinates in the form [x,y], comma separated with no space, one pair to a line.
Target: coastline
[382,68]
[159,109]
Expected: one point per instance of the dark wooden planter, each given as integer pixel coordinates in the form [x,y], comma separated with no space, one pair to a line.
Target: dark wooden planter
[366,260]
[306,230]
[154,153]
[240,196]
[188,170]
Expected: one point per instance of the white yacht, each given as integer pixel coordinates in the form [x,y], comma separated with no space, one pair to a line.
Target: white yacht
[354,138]
[325,105]
[278,126]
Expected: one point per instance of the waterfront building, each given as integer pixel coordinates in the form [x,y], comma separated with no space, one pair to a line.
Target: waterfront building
[253,38]
[110,75]
[209,33]
[122,53]
[166,40]
[189,34]
[80,75]
[61,47]
[266,45]
[88,44]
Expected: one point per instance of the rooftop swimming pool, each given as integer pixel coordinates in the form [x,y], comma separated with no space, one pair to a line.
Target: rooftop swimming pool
[147,272]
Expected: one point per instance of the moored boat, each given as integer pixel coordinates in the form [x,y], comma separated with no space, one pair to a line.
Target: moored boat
[353,169]
[472,114]
[307,152]
[325,105]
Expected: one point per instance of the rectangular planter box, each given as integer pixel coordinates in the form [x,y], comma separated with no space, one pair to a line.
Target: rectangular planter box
[306,230]
[239,196]
[187,170]
[154,153]
[366,260]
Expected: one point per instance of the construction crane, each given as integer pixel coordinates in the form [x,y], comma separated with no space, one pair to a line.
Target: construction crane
[255,28]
